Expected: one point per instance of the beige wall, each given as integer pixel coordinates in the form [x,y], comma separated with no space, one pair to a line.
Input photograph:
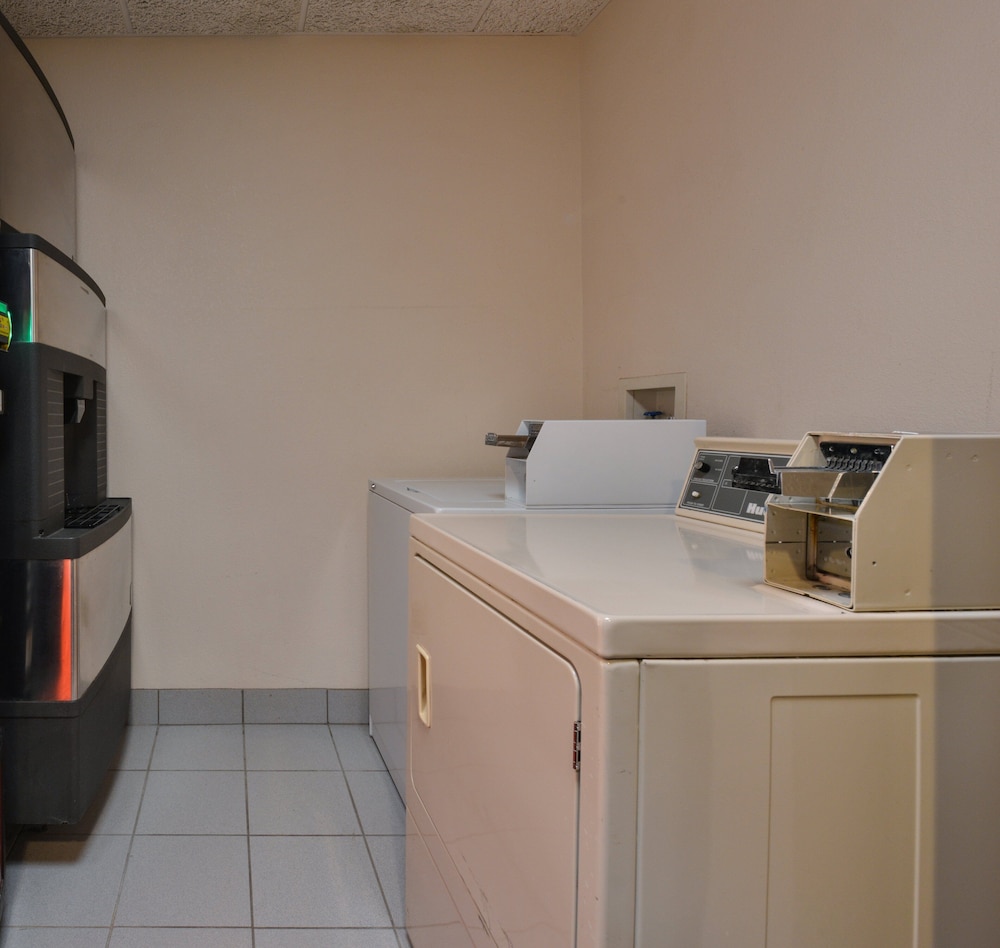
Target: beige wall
[326,259]
[329,258]
[798,204]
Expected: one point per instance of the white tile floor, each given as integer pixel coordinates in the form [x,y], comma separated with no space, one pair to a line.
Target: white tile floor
[221,836]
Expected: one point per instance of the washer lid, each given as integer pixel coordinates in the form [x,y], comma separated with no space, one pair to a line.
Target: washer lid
[432,495]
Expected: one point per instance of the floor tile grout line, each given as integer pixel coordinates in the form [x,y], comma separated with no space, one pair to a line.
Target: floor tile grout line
[246,791]
[364,835]
[349,747]
[131,841]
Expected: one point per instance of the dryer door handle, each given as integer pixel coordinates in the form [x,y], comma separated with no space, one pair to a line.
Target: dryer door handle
[424,685]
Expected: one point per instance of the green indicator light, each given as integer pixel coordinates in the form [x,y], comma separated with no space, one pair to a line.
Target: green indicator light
[5,330]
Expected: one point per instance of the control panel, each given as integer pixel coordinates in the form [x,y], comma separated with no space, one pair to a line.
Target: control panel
[731,478]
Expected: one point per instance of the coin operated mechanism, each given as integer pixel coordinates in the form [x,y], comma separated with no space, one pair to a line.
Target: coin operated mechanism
[888,522]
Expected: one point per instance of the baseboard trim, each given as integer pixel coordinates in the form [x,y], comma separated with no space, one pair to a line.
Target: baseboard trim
[249,706]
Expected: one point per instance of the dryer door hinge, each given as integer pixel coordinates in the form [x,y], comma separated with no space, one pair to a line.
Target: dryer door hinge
[576,746]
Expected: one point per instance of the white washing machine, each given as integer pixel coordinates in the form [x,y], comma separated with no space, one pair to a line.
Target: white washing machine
[594,464]
[620,736]
[391,502]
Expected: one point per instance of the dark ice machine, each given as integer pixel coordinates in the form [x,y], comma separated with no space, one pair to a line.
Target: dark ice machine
[65,546]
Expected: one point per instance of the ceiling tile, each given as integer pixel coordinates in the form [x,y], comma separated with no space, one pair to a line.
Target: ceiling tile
[40,18]
[214,17]
[393,16]
[539,16]
[67,18]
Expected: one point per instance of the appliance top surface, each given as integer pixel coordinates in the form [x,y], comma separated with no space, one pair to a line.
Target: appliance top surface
[656,585]
[431,495]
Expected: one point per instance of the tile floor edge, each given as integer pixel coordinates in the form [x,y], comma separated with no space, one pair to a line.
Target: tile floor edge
[153,706]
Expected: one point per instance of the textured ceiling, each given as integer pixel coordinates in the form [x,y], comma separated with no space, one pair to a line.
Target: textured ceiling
[43,18]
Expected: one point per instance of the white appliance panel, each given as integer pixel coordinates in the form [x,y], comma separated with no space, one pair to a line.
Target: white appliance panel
[436,495]
[733,790]
[603,463]
[661,586]
[503,808]
[390,504]
[820,802]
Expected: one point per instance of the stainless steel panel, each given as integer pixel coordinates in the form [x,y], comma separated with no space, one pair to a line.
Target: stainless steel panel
[36,619]
[65,312]
[60,620]
[37,159]
[103,602]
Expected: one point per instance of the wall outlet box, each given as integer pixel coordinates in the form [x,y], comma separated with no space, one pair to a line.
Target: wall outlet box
[654,396]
